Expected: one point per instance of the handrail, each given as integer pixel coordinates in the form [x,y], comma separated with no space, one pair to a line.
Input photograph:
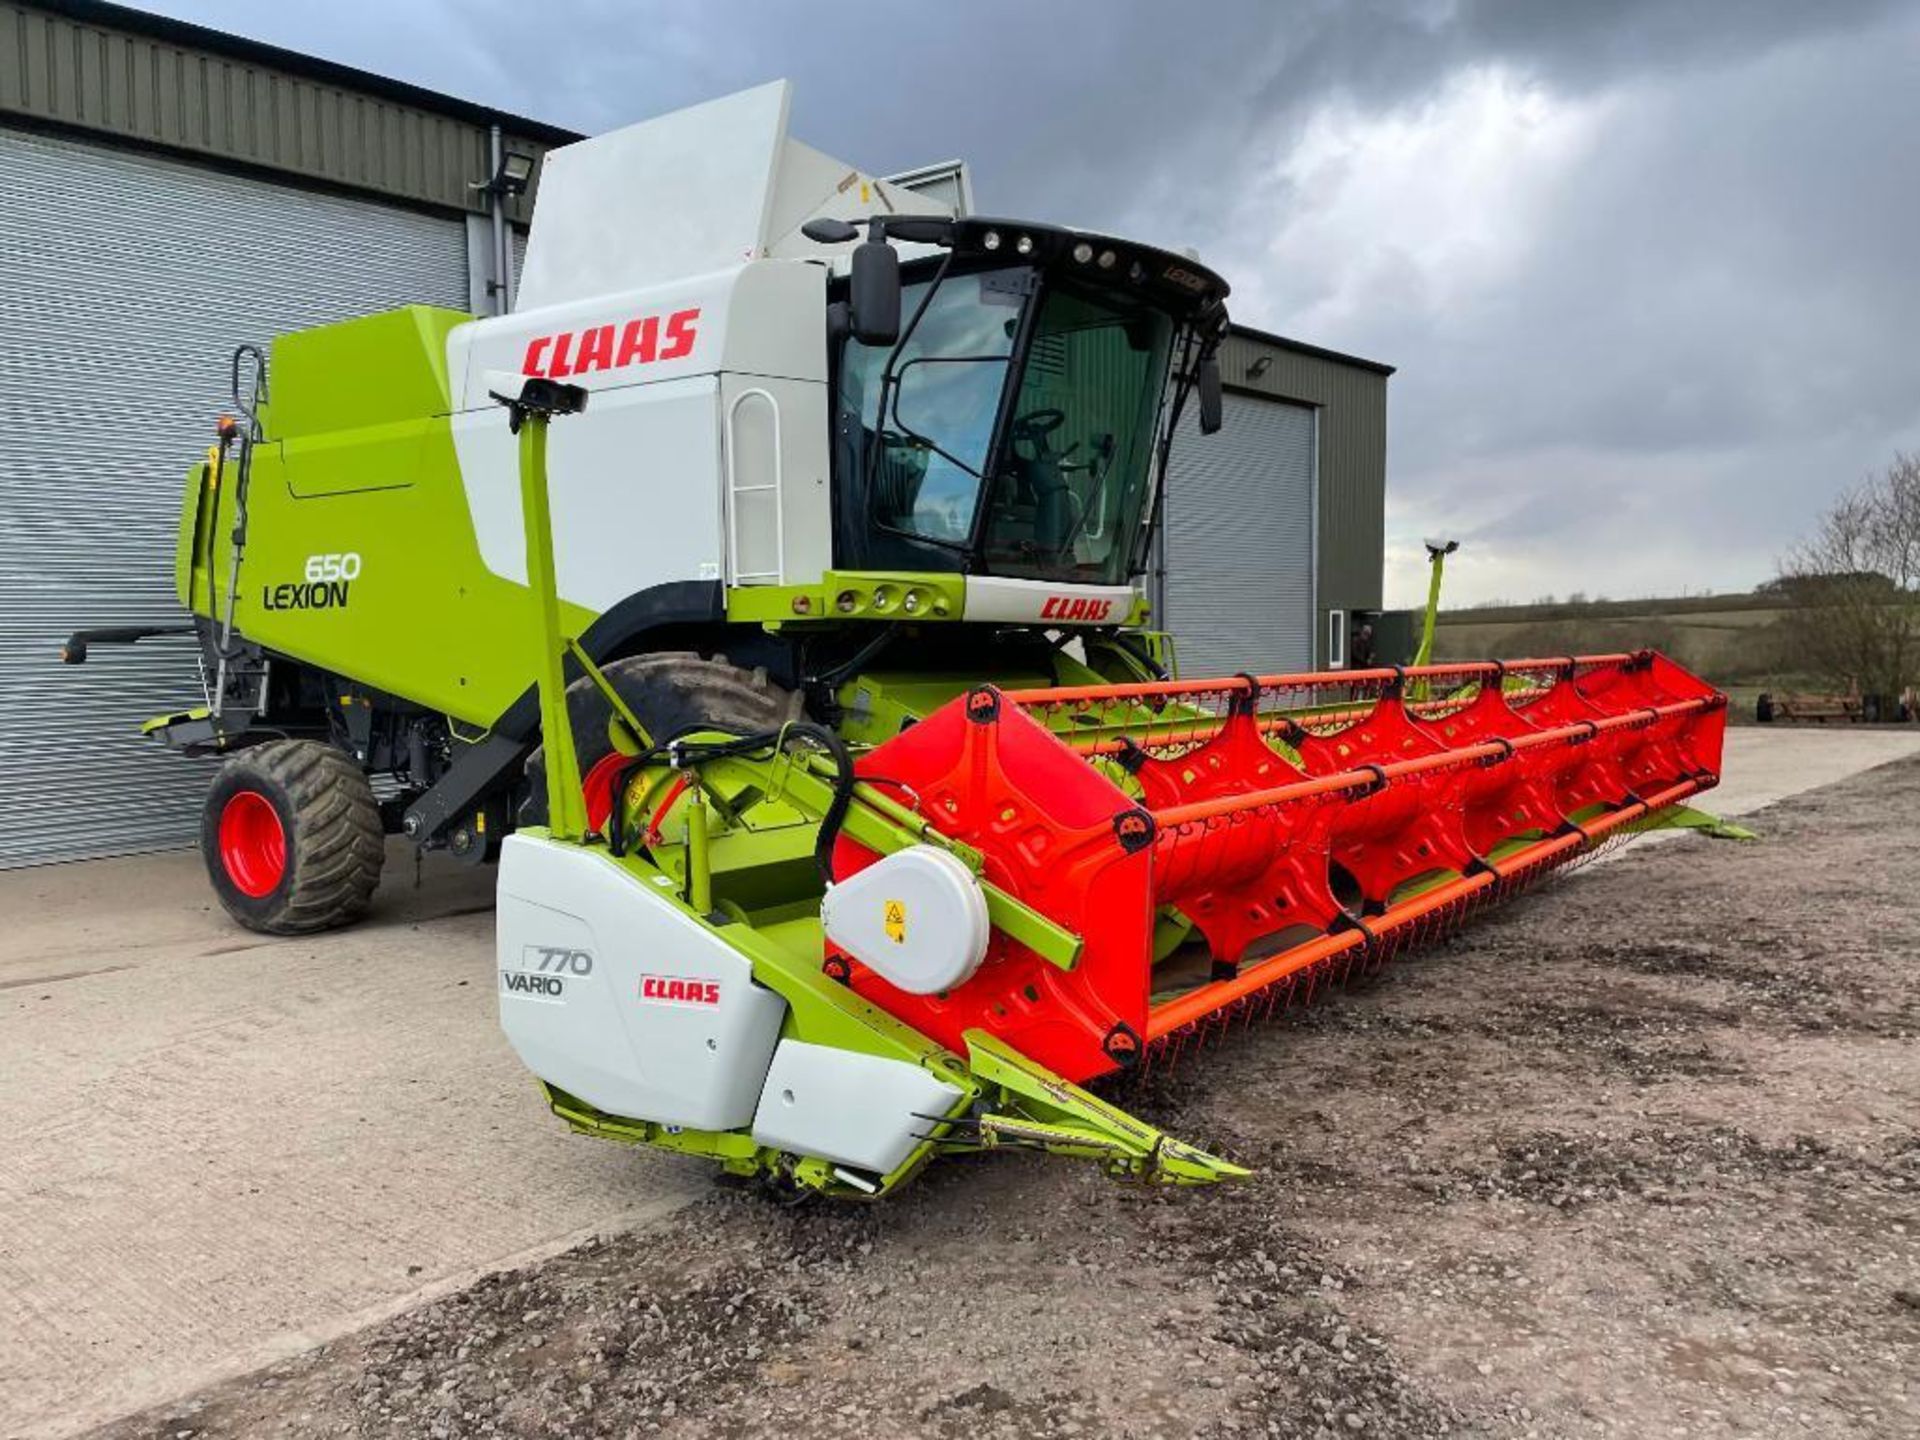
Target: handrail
[737,576]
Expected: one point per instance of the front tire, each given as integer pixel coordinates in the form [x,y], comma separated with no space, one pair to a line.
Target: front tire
[668,692]
[292,839]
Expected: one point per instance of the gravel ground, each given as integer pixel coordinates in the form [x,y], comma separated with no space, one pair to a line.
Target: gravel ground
[1638,1155]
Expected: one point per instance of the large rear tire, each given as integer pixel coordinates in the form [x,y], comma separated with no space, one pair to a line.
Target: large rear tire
[291,837]
[668,692]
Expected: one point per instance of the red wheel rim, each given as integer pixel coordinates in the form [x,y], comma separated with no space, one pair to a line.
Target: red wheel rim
[253,843]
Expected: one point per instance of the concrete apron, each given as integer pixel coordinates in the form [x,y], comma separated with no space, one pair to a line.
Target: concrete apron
[217,1150]
[1765,764]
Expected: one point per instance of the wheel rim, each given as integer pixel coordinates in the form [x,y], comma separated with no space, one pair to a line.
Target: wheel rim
[253,843]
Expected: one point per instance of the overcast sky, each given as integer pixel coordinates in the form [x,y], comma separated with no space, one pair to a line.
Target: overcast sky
[1647,268]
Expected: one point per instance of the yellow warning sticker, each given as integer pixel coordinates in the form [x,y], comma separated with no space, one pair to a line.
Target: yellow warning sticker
[894,917]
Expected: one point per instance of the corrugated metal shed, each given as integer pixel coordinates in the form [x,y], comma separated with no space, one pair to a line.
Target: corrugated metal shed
[1351,395]
[114,361]
[1319,513]
[1239,543]
[146,80]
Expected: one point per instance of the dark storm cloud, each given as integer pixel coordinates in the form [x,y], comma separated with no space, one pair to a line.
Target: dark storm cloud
[1690,318]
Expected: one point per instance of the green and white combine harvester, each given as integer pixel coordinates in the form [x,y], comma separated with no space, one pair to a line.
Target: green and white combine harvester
[761,595]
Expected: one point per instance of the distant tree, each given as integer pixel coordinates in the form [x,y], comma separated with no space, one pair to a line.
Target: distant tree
[1855,587]
[1811,589]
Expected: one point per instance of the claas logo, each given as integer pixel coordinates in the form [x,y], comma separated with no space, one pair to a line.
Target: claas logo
[1069,607]
[640,341]
[677,990]
[1131,827]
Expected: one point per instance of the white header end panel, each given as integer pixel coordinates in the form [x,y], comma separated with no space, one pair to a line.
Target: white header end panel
[860,1110]
[615,996]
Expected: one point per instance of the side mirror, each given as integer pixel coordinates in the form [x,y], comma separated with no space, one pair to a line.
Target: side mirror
[1211,405]
[825,231]
[875,292]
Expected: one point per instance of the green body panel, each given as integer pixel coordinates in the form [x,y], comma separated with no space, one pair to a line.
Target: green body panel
[377,370]
[192,574]
[842,596]
[422,617]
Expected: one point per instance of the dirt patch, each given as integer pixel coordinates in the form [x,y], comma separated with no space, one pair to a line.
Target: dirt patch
[1637,1155]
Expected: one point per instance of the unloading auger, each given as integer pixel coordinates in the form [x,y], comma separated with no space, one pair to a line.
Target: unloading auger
[824,966]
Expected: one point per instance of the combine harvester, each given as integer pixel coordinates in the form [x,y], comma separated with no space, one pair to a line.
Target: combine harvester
[761,594]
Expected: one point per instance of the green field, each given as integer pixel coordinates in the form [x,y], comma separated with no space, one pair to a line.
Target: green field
[1736,641]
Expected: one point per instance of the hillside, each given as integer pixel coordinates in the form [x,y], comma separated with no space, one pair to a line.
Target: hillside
[1729,639]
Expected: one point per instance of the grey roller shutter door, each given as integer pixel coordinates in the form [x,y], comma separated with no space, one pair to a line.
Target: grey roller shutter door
[125,282]
[1239,549]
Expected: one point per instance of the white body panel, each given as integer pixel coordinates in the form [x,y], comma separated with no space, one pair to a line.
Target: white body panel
[854,1109]
[640,481]
[614,532]
[779,501]
[917,918]
[1046,601]
[681,194]
[660,1021]
[693,191]
[648,281]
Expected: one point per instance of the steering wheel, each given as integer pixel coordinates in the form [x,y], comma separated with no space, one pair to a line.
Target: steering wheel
[1033,429]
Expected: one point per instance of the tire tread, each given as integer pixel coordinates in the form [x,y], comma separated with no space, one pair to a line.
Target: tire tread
[336,842]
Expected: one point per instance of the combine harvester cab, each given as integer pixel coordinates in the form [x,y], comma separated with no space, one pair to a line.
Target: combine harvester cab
[1222,843]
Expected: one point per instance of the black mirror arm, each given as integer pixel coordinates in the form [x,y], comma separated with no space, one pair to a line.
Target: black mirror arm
[887,373]
[903,428]
[1193,349]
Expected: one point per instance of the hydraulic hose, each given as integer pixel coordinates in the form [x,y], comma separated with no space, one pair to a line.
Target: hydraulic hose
[685,755]
[843,783]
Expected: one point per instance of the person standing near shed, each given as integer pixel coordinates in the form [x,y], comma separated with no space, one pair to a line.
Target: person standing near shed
[1360,649]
